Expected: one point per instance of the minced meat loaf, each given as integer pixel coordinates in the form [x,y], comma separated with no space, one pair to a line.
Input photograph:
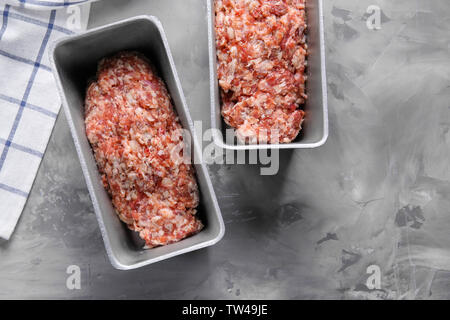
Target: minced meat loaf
[130,123]
[261,52]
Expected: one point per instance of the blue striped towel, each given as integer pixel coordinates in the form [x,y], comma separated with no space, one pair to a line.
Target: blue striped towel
[29,101]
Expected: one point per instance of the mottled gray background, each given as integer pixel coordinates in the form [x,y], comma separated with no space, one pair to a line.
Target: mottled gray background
[376,193]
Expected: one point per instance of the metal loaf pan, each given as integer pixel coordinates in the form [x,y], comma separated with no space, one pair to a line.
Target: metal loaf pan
[315,127]
[74,60]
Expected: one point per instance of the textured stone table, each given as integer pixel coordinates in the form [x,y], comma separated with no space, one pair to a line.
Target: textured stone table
[377,194]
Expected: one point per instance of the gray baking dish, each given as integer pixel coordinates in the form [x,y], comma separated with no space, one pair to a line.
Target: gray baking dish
[315,126]
[74,60]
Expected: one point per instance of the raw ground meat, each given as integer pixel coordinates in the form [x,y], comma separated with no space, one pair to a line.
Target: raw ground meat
[261,52]
[130,123]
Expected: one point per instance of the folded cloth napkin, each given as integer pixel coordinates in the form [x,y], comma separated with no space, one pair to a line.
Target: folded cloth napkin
[29,101]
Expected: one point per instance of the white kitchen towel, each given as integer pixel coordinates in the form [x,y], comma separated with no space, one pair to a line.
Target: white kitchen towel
[29,101]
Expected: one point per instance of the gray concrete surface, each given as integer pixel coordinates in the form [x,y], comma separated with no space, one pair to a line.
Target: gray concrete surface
[378,192]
